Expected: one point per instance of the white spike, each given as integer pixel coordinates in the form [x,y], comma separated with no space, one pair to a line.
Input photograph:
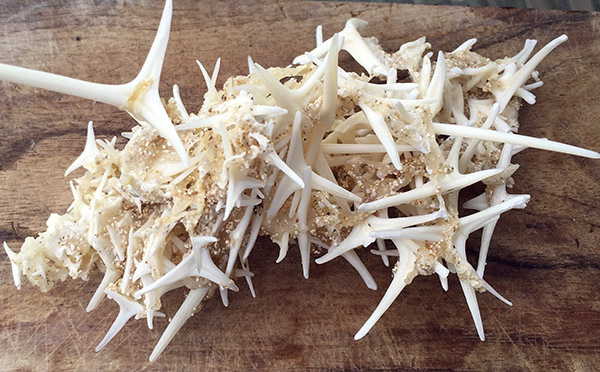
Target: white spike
[533,86]
[195,123]
[282,95]
[360,235]
[524,54]
[186,310]
[179,103]
[224,296]
[450,183]
[471,298]
[513,82]
[359,48]
[468,152]
[526,95]
[16,271]
[424,76]
[142,269]
[110,276]
[198,242]
[477,220]
[251,68]
[490,289]
[296,162]
[127,309]
[115,240]
[441,270]
[379,223]
[444,283]
[207,80]
[477,203]
[245,272]
[431,233]
[235,240]
[435,90]
[386,228]
[268,112]
[215,73]
[486,238]
[466,46]
[402,277]
[303,237]
[330,104]
[392,78]
[187,268]
[283,246]
[276,161]
[237,185]
[319,35]
[383,133]
[381,247]
[323,184]
[140,97]
[254,230]
[387,252]
[356,262]
[89,152]
[304,247]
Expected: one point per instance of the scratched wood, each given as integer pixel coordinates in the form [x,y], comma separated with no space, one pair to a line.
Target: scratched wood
[545,259]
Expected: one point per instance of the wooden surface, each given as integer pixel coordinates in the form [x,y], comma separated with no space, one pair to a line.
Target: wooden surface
[545,259]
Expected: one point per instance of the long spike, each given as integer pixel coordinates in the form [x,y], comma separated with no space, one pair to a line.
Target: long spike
[403,276]
[323,184]
[139,97]
[207,80]
[452,182]
[186,310]
[515,139]
[360,267]
[127,309]
[254,230]
[303,237]
[276,161]
[491,289]
[383,133]
[520,77]
[471,298]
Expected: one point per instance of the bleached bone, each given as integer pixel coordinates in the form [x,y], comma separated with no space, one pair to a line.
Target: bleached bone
[186,310]
[447,184]
[139,97]
[404,274]
[515,139]
[89,152]
[127,309]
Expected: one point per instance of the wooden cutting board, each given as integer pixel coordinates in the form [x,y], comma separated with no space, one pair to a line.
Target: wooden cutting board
[545,259]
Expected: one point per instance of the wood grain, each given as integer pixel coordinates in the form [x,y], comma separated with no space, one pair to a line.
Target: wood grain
[545,259]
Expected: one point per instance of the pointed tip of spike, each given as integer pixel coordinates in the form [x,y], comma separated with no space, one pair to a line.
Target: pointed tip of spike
[89,152]
[362,332]
[224,296]
[16,271]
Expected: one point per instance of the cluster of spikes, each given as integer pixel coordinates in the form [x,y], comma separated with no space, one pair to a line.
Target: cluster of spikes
[332,159]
